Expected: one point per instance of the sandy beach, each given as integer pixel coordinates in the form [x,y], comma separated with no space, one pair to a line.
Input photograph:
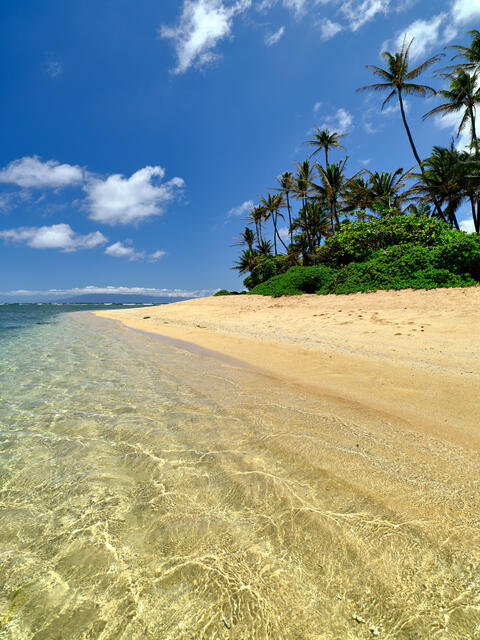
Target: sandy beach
[413,356]
[354,455]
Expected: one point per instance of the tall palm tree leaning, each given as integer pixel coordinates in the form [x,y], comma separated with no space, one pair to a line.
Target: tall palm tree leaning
[286,187]
[323,139]
[397,79]
[463,93]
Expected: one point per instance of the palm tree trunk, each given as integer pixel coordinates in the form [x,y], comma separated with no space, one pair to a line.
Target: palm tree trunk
[474,132]
[326,157]
[407,129]
[274,232]
[289,217]
[414,149]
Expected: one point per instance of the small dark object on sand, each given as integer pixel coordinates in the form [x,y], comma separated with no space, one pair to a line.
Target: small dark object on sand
[146,317]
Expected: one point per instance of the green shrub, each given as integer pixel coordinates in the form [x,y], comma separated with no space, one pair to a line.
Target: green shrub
[224,292]
[394,252]
[264,268]
[460,253]
[297,280]
[400,267]
[357,241]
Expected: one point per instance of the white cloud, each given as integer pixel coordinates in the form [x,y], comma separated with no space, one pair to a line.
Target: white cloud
[467,225]
[317,106]
[147,291]
[241,209]
[273,38]
[329,29]
[120,200]
[464,11]
[358,13]
[156,255]
[32,172]
[340,121]
[57,236]
[202,25]
[425,34]
[120,250]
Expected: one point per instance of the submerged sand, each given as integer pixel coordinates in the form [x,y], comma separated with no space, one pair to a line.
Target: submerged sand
[412,355]
[346,478]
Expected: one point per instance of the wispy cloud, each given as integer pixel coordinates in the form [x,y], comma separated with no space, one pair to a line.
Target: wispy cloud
[340,121]
[359,13]
[202,25]
[329,29]
[121,200]
[121,250]
[241,209]
[57,236]
[275,37]
[426,34]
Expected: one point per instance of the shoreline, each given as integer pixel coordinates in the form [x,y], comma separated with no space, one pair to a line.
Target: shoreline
[412,356]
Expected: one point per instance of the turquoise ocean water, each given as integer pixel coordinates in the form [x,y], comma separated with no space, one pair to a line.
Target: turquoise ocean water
[147,491]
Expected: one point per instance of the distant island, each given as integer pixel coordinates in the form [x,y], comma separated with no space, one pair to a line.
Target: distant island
[119,298]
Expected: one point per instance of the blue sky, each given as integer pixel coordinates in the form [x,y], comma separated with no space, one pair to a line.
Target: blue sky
[134,135]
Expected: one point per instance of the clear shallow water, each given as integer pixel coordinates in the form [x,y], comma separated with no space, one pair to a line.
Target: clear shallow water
[148,492]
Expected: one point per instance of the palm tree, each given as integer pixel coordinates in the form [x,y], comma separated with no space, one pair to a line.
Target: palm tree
[264,248]
[302,181]
[387,190]
[462,94]
[286,187]
[325,139]
[246,261]
[246,238]
[470,54]
[357,195]
[271,205]
[397,80]
[332,187]
[471,184]
[442,181]
[257,215]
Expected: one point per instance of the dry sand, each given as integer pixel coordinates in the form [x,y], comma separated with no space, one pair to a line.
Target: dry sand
[411,355]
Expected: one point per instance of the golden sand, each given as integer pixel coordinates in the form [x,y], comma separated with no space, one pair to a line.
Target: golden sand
[412,355]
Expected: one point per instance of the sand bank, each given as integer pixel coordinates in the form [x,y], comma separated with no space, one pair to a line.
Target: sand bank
[413,356]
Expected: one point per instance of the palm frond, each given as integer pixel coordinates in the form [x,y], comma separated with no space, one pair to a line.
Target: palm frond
[376,87]
[414,73]
[388,98]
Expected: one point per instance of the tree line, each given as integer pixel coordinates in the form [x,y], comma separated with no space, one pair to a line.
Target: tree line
[309,204]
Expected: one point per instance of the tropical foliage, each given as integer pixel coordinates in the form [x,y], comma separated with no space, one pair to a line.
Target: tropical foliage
[323,230]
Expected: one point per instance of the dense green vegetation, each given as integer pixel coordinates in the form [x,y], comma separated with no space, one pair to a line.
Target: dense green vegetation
[322,231]
[398,252]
